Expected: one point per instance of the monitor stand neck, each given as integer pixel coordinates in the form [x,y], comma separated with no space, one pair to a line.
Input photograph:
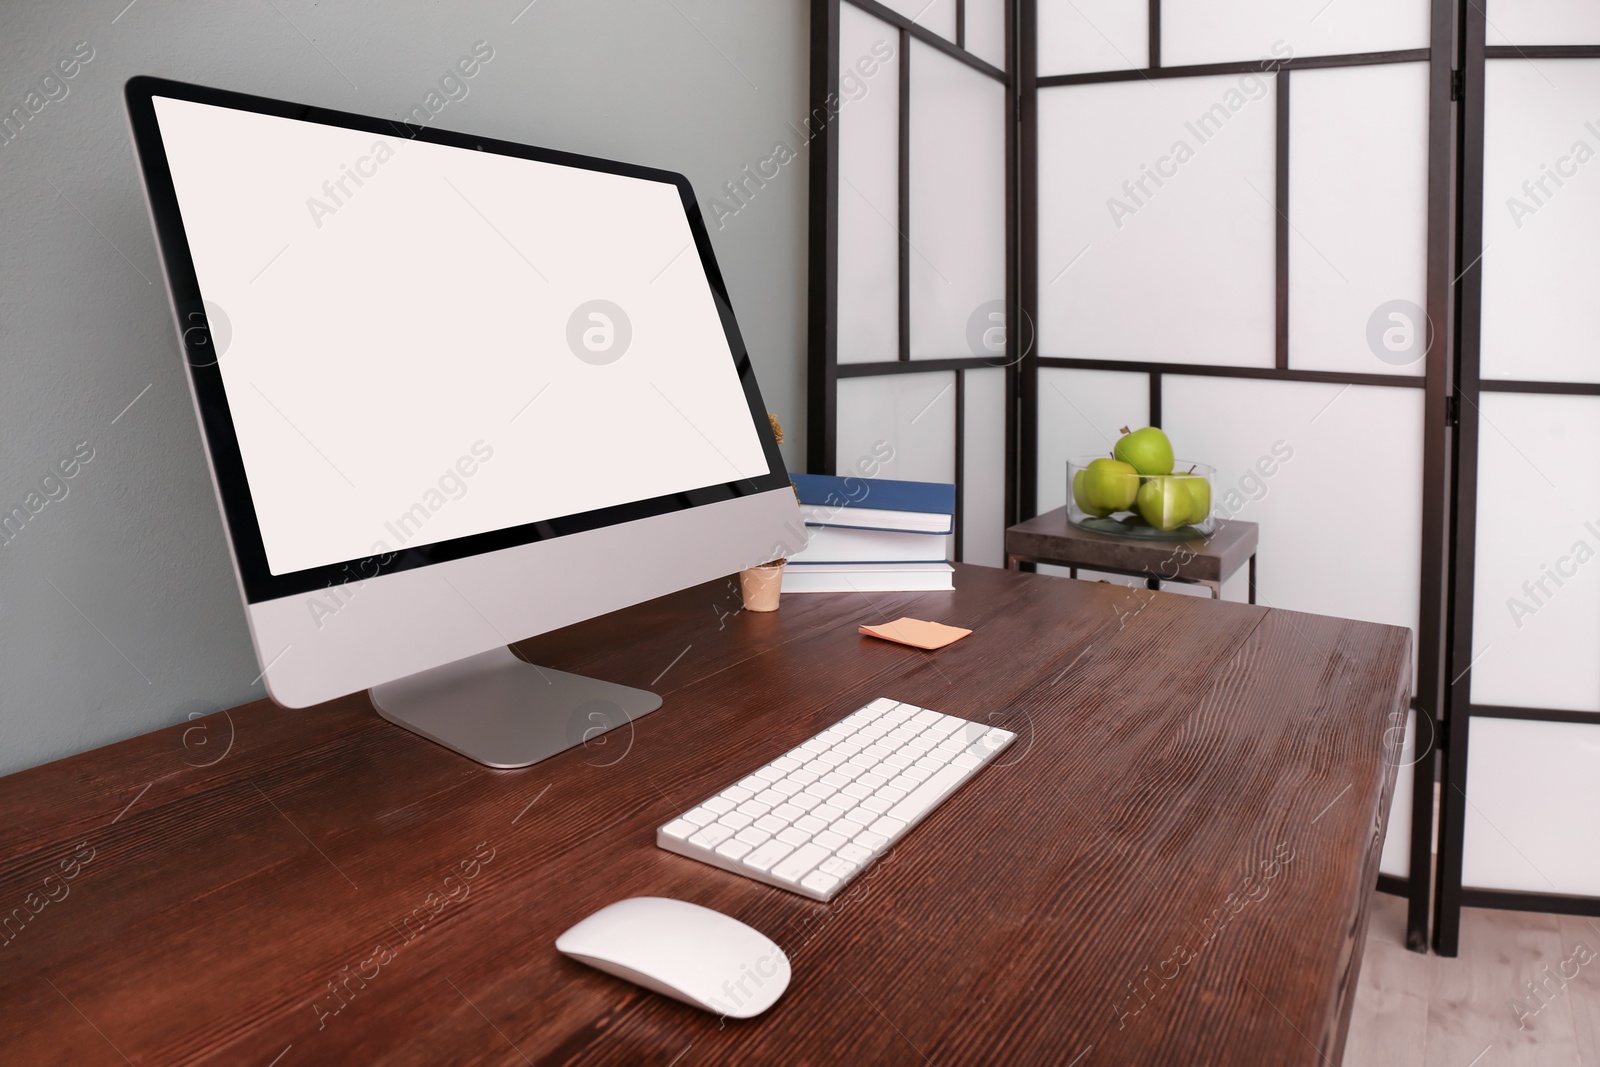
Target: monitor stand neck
[505,712]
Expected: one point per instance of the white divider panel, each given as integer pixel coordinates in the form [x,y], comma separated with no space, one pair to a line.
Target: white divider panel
[983,478]
[986,30]
[1333,475]
[1195,252]
[1540,271]
[1542,22]
[1396,859]
[869,188]
[1359,240]
[915,414]
[958,206]
[1532,792]
[936,15]
[1205,31]
[1080,412]
[1083,36]
[1536,596]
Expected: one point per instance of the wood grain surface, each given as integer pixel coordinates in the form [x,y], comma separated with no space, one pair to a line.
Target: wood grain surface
[1172,865]
[1051,538]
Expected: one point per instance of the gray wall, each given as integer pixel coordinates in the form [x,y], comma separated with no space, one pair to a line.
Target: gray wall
[119,612]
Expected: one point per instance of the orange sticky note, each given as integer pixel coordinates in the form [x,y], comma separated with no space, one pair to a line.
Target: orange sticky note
[917,633]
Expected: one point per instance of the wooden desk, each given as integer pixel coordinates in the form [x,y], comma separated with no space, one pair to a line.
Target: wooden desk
[1100,896]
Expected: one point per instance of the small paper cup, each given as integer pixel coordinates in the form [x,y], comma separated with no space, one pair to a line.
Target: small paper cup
[760,586]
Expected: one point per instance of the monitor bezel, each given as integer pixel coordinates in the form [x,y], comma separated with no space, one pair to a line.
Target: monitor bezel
[227,463]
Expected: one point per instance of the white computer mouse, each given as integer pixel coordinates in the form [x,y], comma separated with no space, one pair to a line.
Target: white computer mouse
[684,951]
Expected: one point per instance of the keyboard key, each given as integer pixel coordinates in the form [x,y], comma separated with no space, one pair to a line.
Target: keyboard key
[810,824]
[916,774]
[839,868]
[764,857]
[871,841]
[736,820]
[798,863]
[786,787]
[920,743]
[804,777]
[902,734]
[821,883]
[787,812]
[680,829]
[878,751]
[753,808]
[789,835]
[753,836]
[966,761]
[835,779]
[859,790]
[771,823]
[754,784]
[814,746]
[873,779]
[769,773]
[887,827]
[829,812]
[829,760]
[883,704]
[820,790]
[928,794]
[927,718]
[845,828]
[720,805]
[804,801]
[898,762]
[860,816]
[738,793]
[819,766]
[878,803]
[711,836]
[944,728]
[854,853]
[830,840]
[786,764]
[700,816]
[888,792]
[733,849]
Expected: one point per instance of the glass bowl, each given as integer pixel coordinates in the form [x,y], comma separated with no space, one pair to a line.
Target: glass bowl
[1164,495]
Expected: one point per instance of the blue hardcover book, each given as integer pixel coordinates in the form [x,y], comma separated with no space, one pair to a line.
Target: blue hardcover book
[876,503]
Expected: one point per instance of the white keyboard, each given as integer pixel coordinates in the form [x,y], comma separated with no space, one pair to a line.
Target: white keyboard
[817,816]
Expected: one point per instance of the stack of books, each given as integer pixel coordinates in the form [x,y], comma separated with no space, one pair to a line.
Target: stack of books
[872,535]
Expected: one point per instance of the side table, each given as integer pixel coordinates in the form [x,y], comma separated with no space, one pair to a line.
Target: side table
[1208,561]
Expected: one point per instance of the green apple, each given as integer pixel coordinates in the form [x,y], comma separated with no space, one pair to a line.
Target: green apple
[1165,503]
[1109,485]
[1080,494]
[1199,490]
[1147,450]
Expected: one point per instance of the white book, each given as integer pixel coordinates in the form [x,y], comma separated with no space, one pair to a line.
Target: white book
[841,544]
[868,577]
[877,519]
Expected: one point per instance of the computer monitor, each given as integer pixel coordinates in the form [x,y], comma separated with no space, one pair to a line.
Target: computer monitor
[455,392]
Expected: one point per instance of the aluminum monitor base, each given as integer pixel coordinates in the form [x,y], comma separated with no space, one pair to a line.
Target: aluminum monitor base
[504,712]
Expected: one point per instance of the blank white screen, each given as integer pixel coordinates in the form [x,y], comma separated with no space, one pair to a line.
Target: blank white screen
[387,330]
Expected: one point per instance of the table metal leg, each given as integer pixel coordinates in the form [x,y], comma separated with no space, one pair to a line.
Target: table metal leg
[1252,577]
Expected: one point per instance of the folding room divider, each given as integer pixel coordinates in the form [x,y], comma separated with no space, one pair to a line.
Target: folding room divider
[1263,226]
[1521,785]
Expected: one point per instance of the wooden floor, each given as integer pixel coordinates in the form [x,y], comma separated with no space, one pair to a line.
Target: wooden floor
[1426,1010]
